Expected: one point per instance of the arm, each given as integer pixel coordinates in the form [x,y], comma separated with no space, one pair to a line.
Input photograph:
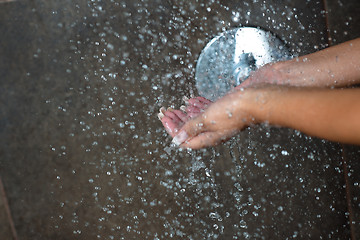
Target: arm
[336,66]
[325,113]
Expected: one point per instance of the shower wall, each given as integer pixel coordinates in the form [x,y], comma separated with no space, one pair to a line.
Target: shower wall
[83,155]
[344,25]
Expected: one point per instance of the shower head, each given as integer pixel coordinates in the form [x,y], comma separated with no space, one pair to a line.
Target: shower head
[229,58]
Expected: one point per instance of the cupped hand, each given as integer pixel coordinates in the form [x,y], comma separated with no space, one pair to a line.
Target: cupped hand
[174,119]
[220,121]
[202,123]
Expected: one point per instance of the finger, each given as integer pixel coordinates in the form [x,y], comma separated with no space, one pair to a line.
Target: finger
[182,116]
[196,103]
[191,129]
[204,100]
[170,113]
[170,126]
[186,100]
[207,139]
[193,109]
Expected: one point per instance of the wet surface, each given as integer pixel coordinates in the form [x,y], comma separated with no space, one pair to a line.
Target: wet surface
[229,58]
[352,156]
[344,26]
[343,20]
[84,156]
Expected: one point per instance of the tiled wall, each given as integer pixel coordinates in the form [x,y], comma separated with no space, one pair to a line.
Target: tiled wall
[84,157]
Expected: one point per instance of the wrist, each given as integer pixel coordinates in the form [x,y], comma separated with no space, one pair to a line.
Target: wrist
[285,72]
[254,103]
[273,73]
[261,103]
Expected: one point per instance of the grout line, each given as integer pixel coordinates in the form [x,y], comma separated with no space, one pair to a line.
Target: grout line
[7,209]
[328,30]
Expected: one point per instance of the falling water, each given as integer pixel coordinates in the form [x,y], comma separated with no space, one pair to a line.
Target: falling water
[86,157]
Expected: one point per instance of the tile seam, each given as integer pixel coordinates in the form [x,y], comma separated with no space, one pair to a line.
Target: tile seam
[8,212]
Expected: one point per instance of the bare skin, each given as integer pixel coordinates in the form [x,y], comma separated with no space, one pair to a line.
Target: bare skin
[311,107]
[336,66]
[173,119]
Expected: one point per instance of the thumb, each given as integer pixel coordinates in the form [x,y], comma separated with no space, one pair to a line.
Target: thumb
[191,129]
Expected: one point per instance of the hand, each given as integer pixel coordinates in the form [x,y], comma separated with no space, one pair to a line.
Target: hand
[220,121]
[173,119]
[330,67]
[267,74]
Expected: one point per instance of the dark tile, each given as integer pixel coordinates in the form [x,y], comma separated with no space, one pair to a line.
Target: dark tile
[294,186]
[84,157]
[343,18]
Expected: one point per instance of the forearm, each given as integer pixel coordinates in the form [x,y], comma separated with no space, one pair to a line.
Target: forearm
[335,66]
[325,113]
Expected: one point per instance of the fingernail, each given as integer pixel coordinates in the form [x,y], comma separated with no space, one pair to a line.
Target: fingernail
[183,108]
[162,110]
[180,138]
[160,116]
[170,109]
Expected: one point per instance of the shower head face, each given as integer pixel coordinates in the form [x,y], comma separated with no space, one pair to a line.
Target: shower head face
[228,59]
